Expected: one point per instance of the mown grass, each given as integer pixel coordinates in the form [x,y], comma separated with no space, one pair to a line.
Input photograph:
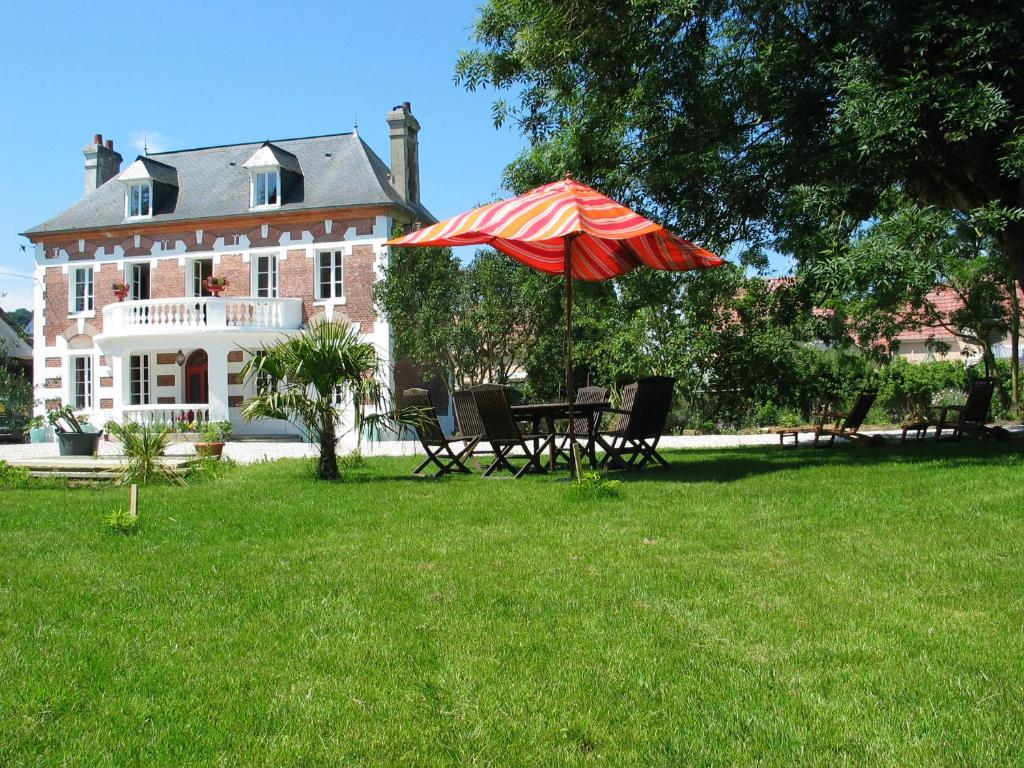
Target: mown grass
[748,607]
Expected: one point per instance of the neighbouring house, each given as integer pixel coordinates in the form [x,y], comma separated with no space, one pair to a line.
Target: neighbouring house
[16,342]
[296,226]
[917,345]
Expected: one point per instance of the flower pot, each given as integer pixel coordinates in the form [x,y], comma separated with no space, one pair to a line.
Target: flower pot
[210,449]
[40,435]
[216,290]
[79,443]
[121,295]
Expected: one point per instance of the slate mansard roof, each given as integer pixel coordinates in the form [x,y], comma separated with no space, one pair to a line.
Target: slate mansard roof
[337,171]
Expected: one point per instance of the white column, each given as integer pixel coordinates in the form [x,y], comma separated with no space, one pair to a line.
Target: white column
[217,380]
[118,371]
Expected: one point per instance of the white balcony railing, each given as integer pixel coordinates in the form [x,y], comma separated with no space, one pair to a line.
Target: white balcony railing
[169,415]
[131,318]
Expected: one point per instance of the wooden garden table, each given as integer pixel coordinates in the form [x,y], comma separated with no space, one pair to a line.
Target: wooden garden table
[549,413]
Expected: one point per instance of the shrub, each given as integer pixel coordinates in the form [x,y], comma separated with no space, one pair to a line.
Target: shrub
[353,460]
[13,477]
[217,431]
[209,468]
[907,390]
[122,521]
[594,485]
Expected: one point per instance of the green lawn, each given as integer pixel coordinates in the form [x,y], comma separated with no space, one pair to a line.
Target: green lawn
[748,607]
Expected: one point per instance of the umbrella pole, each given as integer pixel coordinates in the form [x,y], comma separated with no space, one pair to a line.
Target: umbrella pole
[574,460]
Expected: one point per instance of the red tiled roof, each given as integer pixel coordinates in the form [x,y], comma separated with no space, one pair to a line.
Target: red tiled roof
[946,302]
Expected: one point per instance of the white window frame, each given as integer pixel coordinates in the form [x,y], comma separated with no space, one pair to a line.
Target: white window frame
[145,378]
[129,193]
[190,276]
[89,297]
[338,260]
[89,383]
[254,175]
[274,281]
[130,279]
[338,398]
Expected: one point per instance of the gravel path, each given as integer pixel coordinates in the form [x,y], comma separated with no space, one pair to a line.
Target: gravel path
[250,452]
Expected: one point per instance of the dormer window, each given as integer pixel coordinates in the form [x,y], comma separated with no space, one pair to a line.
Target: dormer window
[265,185]
[150,188]
[274,177]
[139,201]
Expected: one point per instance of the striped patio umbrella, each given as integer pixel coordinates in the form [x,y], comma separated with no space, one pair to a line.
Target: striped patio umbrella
[570,229]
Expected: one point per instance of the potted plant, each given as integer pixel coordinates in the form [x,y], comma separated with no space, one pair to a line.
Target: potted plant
[214,435]
[215,285]
[120,290]
[38,431]
[72,438]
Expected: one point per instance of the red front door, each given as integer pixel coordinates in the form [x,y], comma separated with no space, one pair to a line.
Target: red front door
[196,385]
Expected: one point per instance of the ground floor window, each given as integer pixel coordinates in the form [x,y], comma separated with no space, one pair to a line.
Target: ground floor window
[138,380]
[81,382]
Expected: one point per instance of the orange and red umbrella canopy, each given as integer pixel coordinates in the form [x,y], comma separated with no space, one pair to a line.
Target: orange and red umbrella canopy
[568,228]
[608,239]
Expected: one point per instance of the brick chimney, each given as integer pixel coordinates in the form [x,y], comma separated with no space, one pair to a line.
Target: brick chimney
[405,154]
[102,163]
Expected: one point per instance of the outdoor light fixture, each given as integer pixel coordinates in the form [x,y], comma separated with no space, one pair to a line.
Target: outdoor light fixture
[180,358]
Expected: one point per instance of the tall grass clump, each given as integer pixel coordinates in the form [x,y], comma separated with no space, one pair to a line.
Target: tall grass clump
[143,445]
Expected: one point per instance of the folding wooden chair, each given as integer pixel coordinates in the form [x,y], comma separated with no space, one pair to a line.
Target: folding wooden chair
[418,409]
[502,433]
[583,427]
[467,419]
[632,443]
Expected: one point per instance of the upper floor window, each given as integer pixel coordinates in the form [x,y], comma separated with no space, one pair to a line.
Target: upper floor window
[330,283]
[265,275]
[81,293]
[139,200]
[200,269]
[138,281]
[265,188]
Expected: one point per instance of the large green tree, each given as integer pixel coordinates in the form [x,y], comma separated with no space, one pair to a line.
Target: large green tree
[749,123]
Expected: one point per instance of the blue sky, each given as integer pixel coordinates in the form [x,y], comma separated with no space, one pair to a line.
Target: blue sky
[196,74]
[192,74]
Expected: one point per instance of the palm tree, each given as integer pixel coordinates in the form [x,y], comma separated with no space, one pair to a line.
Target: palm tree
[301,378]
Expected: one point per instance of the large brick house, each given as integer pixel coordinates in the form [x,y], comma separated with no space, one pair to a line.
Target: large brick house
[297,226]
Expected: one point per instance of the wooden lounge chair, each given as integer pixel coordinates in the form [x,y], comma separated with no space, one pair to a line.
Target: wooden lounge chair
[632,440]
[502,433]
[417,408]
[970,417]
[847,425]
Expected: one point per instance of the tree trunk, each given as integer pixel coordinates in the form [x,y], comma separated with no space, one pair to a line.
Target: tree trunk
[992,371]
[1014,350]
[328,466]
[1012,241]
